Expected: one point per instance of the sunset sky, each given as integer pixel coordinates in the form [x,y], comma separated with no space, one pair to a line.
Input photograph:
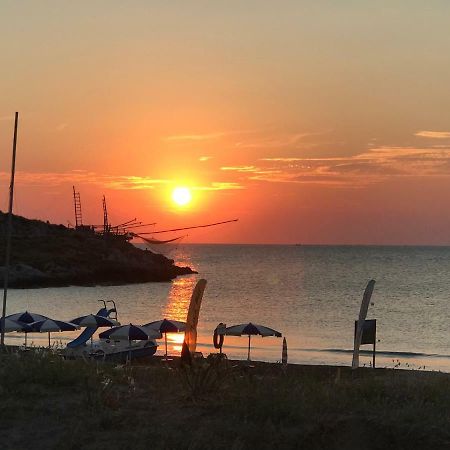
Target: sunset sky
[315,122]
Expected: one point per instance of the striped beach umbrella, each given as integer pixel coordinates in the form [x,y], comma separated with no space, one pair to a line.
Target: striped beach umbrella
[12,325]
[94,321]
[250,329]
[167,326]
[26,317]
[130,333]
[50,326]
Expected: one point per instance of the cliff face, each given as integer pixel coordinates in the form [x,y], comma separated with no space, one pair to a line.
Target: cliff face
[44,255]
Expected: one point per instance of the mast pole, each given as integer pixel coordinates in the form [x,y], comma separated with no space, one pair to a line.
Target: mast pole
[8,231]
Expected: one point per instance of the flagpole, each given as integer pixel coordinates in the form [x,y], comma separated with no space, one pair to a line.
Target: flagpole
[8,231]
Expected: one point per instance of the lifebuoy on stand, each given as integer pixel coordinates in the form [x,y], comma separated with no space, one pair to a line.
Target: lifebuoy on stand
[219,337]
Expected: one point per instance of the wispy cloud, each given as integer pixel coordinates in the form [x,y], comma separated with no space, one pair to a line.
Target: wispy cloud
[279,140]
[115,182]
[204,158]
[433,134]
[371,166]
[220,186]
[195,137]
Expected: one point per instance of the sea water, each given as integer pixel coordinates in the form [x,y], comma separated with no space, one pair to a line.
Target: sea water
[311,294]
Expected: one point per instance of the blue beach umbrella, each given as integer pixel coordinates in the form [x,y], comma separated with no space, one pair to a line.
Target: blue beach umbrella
[167,326]
[50,326]
[250,329]
[130,333]
[26,317]
[12,325]
[94,321]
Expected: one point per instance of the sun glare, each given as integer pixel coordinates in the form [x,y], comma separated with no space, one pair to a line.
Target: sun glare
[181,196]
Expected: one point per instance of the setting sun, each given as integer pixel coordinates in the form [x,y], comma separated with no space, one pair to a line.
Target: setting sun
[181,196]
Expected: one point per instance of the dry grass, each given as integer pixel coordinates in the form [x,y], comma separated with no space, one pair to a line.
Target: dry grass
[217,405]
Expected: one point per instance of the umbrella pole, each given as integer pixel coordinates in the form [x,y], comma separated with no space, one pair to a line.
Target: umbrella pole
[26,334]
[129,350]
[248,356]
[49,339]
[165,335]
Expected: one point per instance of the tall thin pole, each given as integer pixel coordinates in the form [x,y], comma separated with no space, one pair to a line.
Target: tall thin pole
[9,229]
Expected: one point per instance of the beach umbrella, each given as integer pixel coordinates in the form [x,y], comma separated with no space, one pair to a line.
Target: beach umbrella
[50,326]
[250,329]
[12,325]
[94,321]
[167,326]
[26,317]
[130,333]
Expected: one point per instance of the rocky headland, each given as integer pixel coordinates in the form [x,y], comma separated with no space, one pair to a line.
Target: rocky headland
[45,255]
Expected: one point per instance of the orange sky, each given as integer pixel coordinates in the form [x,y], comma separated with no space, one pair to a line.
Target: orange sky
[314,122]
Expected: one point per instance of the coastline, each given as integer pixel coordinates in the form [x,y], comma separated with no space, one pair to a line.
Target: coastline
[48,255]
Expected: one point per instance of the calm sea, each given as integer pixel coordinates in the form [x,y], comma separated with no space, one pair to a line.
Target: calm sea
[311,294]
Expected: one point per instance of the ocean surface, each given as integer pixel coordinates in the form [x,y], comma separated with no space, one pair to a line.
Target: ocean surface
[312,294]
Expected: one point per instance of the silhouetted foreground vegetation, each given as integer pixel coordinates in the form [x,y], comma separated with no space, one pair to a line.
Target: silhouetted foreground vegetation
[51,403]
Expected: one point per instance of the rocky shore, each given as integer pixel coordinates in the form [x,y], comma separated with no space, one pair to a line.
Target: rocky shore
[45,255]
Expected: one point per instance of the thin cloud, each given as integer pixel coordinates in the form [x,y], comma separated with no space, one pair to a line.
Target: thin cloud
[114,182]
[280,140]
[434,134]
[204,158]
[195,137]
[219,186]
[371,166]
[239,168]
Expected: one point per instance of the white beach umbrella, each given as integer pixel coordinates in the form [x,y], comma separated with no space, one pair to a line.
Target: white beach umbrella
[250,329]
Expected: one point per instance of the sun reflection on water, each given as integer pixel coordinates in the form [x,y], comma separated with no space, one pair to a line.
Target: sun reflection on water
[178,299]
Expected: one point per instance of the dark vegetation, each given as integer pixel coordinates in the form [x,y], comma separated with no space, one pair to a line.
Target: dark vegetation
[44,255]
[217,405]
